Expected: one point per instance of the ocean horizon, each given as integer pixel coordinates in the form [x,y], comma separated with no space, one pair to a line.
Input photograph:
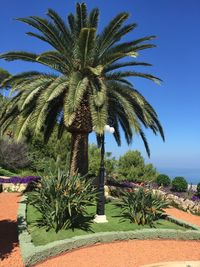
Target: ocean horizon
[191,175]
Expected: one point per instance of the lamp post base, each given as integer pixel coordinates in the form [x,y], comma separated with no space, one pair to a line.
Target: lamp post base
[100,219]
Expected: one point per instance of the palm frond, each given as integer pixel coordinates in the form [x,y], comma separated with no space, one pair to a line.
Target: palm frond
[106,36]
[77,88]
[81,14]
[56,59]
[123,31]
[72,23]
[112,119]
[22,126]
[145,142]
[99,115]
[93,18]
[48,29]
[119,75]
[125,64]
[86,44]
[51,122]
[19,55]
[99,92]
[60,24]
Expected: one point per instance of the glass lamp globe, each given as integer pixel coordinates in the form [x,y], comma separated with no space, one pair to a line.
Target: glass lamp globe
[107,128]
[112,130]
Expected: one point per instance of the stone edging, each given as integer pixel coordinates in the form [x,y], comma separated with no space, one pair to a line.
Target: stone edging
[32,254]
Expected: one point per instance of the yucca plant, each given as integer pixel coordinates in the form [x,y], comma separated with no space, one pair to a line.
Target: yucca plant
[62,201]
[89,88]
[142,206]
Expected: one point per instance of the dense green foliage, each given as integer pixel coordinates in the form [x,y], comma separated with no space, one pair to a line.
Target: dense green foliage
[62,200]
[179,184]
[94,161]
[143,207]
[13,155]
[4,172]
[198,189]
[131,167]
[163,180]
[46,157]
[33,155]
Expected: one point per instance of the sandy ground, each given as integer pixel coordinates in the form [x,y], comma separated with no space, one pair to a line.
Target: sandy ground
[9,250]
[118,254]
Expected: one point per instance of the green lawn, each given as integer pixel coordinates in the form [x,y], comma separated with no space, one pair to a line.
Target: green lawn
[41,237]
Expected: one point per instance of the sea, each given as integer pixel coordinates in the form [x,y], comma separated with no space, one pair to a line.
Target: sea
[191,175]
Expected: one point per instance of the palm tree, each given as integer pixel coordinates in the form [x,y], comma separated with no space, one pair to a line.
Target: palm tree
[89,87]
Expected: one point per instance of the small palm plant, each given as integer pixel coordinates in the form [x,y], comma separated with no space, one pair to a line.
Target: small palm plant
[89,87]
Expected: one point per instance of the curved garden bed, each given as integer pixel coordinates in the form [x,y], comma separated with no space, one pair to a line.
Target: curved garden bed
[32,254]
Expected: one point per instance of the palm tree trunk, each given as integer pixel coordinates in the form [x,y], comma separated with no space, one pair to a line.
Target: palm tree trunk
[79,153]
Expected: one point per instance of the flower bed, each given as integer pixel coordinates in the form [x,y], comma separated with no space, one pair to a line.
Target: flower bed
[33,254]
[16,183]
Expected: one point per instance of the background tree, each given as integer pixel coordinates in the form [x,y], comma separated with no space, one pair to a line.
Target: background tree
[131,167]
[90,89]
[46,157]
[13,156]
[94,161]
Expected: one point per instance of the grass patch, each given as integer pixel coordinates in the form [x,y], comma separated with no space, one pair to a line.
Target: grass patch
[4,172]
[41,237]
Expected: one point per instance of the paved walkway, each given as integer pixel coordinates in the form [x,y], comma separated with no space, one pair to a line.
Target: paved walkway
[118,254]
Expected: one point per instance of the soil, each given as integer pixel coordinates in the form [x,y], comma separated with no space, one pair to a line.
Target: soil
[118,254]
[9,249]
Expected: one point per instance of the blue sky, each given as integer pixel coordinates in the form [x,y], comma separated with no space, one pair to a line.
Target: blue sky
[176,61]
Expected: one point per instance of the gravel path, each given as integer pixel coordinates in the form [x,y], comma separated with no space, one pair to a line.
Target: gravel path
[9,250]
[182,215]
[118,254]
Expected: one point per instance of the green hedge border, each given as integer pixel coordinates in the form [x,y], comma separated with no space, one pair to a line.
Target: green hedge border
[32,254]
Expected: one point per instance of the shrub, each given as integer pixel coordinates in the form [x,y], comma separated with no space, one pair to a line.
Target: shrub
[62,202]
[163,180]
[143,207]
[131,167]
[179,184]
[13,155]
[198,189]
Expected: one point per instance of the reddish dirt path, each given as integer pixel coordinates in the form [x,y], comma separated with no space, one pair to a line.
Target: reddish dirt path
[182,215]
[119,254]
[9,250]
[128,254]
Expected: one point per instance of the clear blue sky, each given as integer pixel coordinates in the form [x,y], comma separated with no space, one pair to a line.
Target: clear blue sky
[175,60]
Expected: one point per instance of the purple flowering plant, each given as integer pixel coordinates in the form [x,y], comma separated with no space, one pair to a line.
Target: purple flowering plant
[195,198]
[20,180]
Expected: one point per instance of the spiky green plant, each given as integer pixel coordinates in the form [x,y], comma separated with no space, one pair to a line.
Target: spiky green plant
[90,87]
[62,201]
[143,206]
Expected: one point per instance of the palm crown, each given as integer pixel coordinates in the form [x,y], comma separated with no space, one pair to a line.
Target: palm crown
[90,87]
